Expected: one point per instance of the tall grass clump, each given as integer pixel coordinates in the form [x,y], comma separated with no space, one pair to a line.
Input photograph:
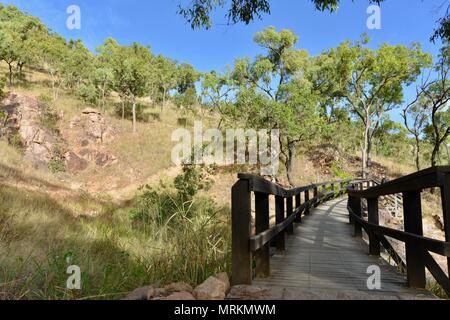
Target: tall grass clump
[193,229]
[167,234]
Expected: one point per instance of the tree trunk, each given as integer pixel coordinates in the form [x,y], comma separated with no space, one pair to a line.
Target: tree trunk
[417,153]
[164,100]
[134,118]
[290,162]
[123,110]
[10,74]
[434,161]
[435,155]
[365,152]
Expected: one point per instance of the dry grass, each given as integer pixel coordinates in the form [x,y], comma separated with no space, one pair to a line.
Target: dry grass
[43,222]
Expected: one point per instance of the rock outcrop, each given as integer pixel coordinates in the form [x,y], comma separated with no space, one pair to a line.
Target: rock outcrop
[22,124]
[89,133]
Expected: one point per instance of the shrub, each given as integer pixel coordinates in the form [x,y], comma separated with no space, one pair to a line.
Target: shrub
[338,172]
[57,163]
[48,117]
[16,141]
[163,205]
[2,88]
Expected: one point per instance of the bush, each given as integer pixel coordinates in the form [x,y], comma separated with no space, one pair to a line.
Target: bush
[163,205]
[48,117]
[2,88]
[195,232]
[338,172]
[16,141]
[57,163]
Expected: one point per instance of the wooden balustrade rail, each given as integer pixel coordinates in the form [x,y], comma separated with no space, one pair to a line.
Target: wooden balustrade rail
[251,241]
[418,247]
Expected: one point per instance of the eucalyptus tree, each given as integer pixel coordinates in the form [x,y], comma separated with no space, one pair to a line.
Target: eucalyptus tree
[437,99]
[129,69]
[53,53]
[198,13]
[370,83]
[78,65]
[218,92]
[276,92]
[18,38]
[416,120]
[166,77]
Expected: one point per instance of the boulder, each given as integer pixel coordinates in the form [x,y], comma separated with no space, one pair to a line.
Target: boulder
[212,289]
[94,126]
[178,287]
[226,281]
[139,294]
[75,163]
[180,296]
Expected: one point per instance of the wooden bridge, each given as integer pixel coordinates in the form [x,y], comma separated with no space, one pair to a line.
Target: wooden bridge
[309,242]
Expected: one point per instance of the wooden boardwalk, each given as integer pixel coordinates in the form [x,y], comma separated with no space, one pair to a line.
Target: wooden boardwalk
[324,260]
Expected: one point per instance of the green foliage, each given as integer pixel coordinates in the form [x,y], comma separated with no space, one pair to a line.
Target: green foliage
[2,88]
[164,205]
[48,116]
[291,105]
[198,13]
[15,140]
[57,161]
[338,172]
[191,181]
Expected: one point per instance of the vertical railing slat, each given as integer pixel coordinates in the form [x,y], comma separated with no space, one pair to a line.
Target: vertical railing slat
[298,203]
[415,266]
[241,230]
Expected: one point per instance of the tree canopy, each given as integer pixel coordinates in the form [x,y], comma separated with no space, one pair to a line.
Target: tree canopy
[198,13]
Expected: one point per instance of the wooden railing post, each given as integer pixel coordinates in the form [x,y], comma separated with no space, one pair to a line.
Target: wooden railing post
[445,196]
[316,193]
[279,216]
[374,218]
[415,266]
[241,230]
[262,223]
[307,201]
[298,203]
[289,212]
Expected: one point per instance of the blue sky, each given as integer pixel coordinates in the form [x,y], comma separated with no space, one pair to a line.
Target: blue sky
[155,23]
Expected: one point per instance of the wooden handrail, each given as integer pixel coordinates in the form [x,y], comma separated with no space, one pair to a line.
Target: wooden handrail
[248,248]
[429,178]
[418,247]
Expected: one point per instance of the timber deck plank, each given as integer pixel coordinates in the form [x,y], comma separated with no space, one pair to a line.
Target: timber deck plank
[323,256]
